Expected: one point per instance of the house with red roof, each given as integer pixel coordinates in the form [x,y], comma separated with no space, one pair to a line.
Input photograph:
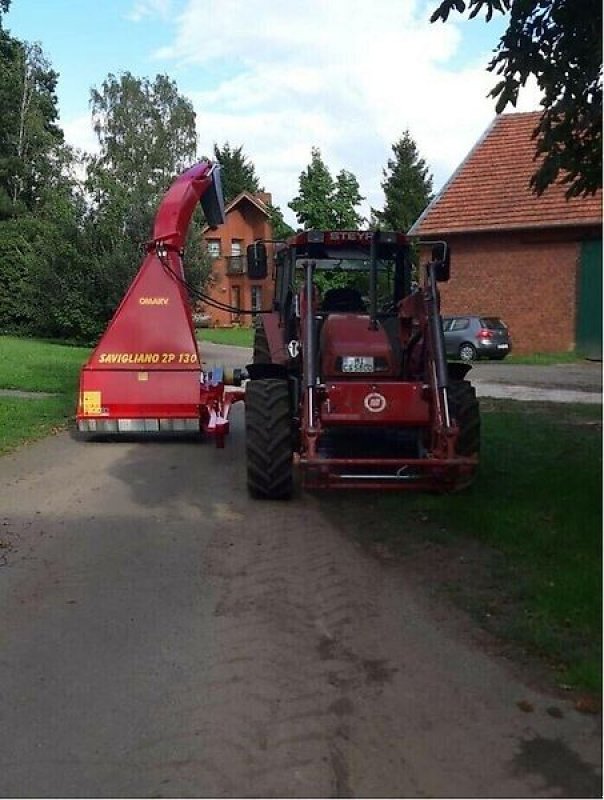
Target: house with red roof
[247,218]
[536,262]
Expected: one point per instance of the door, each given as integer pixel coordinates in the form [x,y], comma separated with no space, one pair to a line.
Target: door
[589,301]
[236,304]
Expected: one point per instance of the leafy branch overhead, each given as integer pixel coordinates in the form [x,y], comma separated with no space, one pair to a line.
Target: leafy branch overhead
[559,44]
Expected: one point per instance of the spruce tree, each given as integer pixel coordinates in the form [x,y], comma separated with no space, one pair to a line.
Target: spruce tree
[407,187]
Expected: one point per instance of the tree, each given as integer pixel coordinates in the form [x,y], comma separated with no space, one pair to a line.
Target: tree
[323,203]
[44,264]
[346,198]
[559,42]
[407,187]
[281,230]
[29,136]
[4,6]
[237,173]
[146,132]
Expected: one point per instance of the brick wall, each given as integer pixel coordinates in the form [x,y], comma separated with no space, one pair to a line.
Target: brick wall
[527,279]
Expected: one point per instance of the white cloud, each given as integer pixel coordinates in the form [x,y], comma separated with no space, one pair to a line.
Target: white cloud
[79,133]
[142,9]
[347,76]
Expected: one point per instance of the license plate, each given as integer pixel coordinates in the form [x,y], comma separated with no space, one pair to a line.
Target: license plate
[357,364]
[502,346]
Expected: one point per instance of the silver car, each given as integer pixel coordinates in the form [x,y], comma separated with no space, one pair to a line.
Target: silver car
[471,337]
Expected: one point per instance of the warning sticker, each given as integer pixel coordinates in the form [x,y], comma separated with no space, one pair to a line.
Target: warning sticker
[91,402]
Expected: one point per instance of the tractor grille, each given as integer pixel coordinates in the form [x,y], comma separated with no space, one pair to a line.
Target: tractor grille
[361,442]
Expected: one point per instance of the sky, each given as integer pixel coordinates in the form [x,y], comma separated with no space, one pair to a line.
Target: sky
[281,76]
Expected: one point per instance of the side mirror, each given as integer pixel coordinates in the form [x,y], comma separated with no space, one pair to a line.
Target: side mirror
[257,261]
[441,260]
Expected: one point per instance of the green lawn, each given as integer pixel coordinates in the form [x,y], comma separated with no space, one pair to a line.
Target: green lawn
[36,366]
[544,359]
[239,337]
[537,506]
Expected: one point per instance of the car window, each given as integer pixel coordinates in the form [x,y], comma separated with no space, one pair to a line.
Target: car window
[493,324]
[460,324]
[446,323]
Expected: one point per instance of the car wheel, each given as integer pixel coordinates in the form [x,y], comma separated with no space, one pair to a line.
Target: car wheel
[467,352]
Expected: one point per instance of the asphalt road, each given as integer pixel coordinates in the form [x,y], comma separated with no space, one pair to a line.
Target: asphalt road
[164,636]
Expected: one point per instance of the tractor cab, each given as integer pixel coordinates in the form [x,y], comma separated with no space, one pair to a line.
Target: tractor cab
[349,370]
[358,278]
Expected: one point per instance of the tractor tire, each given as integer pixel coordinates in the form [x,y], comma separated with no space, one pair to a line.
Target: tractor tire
[262,353]
[269,445]
[463,407]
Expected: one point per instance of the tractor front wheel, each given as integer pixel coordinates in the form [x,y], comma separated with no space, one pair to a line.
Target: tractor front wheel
[464,409]
[262,353]
[268,439]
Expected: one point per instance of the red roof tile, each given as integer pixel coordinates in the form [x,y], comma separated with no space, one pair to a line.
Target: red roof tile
[490,189]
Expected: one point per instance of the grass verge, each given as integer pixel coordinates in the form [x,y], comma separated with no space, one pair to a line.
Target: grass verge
[32,365]
[26,419]
[239,337]
[536,506]
[545,359]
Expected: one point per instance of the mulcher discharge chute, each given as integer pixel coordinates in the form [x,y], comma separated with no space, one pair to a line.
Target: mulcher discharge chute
[145,373]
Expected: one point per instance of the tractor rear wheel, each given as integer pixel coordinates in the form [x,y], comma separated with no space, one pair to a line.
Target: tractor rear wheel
[463,406]
[262,353]
[268,439]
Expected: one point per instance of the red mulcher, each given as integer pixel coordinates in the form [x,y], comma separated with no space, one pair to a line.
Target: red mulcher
[145,373]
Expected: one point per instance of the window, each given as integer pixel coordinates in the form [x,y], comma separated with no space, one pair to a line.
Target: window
[213,248]
[459,324]
[493,324]
[236,303]
[256,298]
[236,247]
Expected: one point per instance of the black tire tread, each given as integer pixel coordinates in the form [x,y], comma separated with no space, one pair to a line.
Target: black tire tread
[464,409]
[262,353]
[268,439]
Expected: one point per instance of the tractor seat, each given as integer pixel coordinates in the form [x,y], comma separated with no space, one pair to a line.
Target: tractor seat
[343,299]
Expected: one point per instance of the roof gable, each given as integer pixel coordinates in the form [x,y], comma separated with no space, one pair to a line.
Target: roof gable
[490,189]
[236,201]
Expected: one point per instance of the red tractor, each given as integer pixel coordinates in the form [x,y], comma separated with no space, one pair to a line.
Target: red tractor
[349,377]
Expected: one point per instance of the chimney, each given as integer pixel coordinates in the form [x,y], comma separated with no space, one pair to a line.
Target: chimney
[264,197]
